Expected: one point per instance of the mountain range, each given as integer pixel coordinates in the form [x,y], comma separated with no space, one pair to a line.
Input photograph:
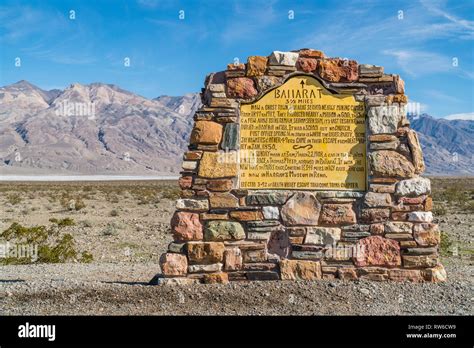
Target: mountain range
[102,129]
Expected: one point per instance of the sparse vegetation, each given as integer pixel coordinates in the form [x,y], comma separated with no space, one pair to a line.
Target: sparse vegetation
[114,212]
[63,222]
[14,198]
[45,243]
[72,202]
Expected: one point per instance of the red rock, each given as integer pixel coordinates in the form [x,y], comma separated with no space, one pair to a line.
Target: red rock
[337,214]
[306,64]
[412,200]
[279,244]
[338,70]
[232,259]
[256,65]
[185,182]
[241,87]
[377,251]
[173,264]
[186,226]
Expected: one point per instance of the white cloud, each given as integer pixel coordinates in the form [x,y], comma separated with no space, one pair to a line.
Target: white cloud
[416,62]
[462,116]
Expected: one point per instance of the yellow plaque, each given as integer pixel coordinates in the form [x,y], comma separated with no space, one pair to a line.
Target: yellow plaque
[301,136]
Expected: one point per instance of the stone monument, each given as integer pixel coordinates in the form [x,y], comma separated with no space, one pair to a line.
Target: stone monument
[302,167]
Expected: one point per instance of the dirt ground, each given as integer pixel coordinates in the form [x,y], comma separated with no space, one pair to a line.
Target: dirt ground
[124,226]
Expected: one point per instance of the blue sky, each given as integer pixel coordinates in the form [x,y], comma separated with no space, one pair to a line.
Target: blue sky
[420,40]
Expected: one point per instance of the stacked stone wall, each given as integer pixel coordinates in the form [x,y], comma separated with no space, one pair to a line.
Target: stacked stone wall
[223,233]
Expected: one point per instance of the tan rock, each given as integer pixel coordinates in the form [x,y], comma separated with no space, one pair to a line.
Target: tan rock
[301,209]
[377,229]
[216,278]
[236,66]
[185,182]
[373,199]
[220,185]
[205,252]
[256,65]
[206,132]
[426,234]
[420,261]
[382,138]
[436,274]
[217,165]
[416,152]
[214,216]
[192,155]
[246,215]
[338,214]
[223,200]
[300,269]
[347,273]
[388,163]
[373,215]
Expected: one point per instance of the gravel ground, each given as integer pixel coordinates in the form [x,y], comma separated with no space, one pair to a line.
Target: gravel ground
[118,289]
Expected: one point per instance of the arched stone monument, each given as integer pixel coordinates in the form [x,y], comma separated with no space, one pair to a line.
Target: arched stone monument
[302,167]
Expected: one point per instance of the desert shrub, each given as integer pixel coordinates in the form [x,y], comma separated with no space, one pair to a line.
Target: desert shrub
[110,230]
[72,203]
[63,222]
[86,257]
[445,245]
[114,212]
[86,223]
[172,193]
[51,247]
[439,209]
[14,198]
